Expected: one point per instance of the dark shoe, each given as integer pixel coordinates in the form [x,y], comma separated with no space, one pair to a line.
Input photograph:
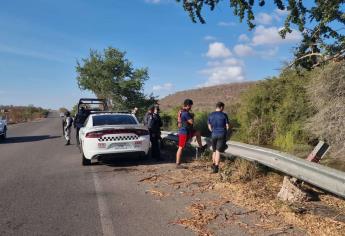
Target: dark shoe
[68,143]
[179,166]
[212,167]
[215,169]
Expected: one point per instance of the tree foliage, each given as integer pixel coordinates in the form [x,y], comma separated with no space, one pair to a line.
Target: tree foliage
[112,76]
[275,111]
[320,22]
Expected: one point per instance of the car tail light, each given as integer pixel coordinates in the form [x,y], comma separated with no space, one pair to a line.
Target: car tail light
[141,132]
[99,134]
[96,134]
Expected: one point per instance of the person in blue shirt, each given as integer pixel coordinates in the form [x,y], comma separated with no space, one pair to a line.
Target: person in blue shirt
[218,124]
[186,131]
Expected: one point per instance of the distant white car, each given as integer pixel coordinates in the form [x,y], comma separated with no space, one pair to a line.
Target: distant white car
[3,128]
[112,134]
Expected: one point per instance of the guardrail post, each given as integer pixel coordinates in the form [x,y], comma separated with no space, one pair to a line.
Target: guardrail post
[319,152]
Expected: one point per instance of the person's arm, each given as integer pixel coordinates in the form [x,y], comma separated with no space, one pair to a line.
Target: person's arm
[160,121]
[209,124]
[227,122]
[189,118]
[210,127]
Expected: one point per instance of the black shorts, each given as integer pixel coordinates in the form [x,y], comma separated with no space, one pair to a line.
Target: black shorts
[219,143]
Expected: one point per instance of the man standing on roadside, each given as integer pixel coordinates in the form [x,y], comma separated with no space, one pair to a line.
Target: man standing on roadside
[147,116]
[218,124]
[68,127]
[154,126]
[186,130]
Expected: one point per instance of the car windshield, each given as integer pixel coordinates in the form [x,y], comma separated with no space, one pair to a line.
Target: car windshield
[113,120]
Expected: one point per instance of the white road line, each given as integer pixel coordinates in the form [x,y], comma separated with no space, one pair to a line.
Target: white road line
[105,216]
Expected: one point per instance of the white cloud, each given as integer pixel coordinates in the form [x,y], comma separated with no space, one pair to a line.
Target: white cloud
[281,12]
[264,19]
[218,50]
[269,53]
[225,71]
[243,38]
[210,38]
[30,53]
[153,1]
[270,36]
[226,24]
[243,50]
[165,87]
[159,1]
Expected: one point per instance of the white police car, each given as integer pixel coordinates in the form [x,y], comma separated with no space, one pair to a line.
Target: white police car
[112,134]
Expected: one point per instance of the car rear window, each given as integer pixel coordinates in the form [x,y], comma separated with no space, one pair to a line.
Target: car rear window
[113,120]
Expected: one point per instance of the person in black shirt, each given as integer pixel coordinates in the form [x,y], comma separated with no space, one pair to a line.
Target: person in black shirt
[154,124]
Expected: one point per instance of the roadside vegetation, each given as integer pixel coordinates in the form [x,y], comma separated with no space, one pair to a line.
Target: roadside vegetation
[18,114]
[290,112]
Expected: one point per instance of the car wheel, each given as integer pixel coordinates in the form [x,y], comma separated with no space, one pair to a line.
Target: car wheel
[85,161]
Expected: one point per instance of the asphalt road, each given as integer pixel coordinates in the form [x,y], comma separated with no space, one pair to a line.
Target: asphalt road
[44,190]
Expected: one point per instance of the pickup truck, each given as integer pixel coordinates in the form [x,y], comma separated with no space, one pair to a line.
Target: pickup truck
[85,107]
[3,128]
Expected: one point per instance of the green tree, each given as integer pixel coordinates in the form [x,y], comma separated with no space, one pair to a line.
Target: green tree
[320,22]
[112,76]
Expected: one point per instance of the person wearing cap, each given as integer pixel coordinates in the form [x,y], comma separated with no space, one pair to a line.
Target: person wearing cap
[154,124]
[218,124]
[186,130]
[68,127]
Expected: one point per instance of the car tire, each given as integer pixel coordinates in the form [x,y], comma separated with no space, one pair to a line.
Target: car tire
[85,161]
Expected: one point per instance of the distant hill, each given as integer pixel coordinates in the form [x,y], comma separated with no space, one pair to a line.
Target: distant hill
[205,98]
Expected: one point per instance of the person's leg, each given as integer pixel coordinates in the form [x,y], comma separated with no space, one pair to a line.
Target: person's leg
[219,149]
[77,135]
[68,136]
[178,155]
[217,158]
[214,147]
[182,139]
[198,138]
[155,148]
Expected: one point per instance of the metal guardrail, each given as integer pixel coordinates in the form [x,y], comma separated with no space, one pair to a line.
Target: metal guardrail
[315,174]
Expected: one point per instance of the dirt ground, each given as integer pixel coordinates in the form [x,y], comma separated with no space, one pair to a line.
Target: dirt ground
[210,204]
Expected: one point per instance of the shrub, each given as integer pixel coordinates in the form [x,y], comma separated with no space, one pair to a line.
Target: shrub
[275,110]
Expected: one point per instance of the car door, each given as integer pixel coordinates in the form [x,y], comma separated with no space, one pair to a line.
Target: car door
[83,129]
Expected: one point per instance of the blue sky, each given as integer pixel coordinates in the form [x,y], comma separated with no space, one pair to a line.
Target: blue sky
[40,41]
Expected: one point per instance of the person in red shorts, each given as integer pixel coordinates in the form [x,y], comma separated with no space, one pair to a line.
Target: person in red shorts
[186,130]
